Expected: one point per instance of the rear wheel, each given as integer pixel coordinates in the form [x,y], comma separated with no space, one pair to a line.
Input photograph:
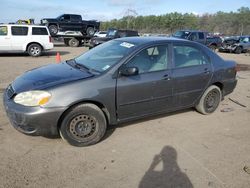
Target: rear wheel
[34,50]
[210,100]
[74,42]
[238,50]
[212,47]
[83,125]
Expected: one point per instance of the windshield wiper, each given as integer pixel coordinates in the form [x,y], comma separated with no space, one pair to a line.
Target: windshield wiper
[73,63]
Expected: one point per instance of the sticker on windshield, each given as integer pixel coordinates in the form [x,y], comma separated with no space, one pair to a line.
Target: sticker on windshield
[106,67]
[127,45]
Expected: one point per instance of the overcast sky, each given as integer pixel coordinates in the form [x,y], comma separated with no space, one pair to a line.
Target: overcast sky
[12,10]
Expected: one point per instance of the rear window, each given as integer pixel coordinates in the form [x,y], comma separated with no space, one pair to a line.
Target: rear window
[39,31]
[20,31]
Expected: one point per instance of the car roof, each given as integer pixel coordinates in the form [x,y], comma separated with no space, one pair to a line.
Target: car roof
[22,25]
[145,40]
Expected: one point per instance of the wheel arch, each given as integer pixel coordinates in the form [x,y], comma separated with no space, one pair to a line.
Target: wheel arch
[98,104]
[27,46]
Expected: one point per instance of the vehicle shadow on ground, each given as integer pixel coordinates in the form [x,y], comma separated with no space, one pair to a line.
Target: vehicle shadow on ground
[169,176]
[111,128]
[47,53]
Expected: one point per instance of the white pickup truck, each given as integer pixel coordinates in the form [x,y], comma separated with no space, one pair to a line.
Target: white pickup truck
[33,39]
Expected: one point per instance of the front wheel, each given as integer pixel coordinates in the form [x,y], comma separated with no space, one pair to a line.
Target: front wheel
[53,29]
[83,125]
[90,31]
[74,42]
[210,100]
[238,50]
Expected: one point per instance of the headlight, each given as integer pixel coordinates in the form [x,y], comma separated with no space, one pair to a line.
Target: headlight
[32,98]
[44,21]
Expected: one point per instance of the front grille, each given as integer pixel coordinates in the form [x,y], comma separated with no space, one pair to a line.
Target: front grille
[10,92]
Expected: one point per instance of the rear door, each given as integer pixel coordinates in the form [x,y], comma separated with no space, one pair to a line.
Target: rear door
[19,37]
[151,90]
[191,73]
[5,42]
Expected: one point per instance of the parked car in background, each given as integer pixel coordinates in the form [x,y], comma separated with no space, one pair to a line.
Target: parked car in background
[121,80]
[193,35]
[71,22]
[101,34]
[112,34]
[213,42]
[236,44]
[33,39]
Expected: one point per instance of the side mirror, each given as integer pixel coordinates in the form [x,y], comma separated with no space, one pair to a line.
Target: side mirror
[129,71]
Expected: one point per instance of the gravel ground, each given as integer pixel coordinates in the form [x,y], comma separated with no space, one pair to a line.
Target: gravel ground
[184,148]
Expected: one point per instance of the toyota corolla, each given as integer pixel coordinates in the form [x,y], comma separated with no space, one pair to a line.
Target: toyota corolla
[121,80]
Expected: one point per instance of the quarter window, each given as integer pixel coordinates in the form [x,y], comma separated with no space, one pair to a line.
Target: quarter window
[186,56]
[39,31]
[3,30]
[150,59]
[16,30]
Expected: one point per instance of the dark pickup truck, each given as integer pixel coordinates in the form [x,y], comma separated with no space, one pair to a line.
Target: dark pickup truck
[194,35]
[71,22]
[112,34]
[202,37]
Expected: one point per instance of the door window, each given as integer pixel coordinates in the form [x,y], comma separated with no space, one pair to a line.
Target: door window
[186,56]
[3,30]
[20,31]
[201,36]
[39,31]
[150,59]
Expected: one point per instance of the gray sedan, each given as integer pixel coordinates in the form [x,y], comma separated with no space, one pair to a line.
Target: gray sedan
[121,80]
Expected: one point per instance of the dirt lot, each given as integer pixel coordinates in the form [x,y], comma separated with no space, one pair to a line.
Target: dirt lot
[184,149]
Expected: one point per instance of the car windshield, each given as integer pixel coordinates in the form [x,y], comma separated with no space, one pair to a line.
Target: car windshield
[111,32]
[104,56]
[182,34]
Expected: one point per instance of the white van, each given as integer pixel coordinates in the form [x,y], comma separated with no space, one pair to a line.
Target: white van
[26,38]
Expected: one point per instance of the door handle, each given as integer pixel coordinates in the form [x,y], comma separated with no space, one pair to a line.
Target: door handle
[166,77]
[7,38]
[206,71]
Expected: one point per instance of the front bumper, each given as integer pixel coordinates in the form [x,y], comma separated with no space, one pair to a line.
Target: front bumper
[32,120]
[227,48]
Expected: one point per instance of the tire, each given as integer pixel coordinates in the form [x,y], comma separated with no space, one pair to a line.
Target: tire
[66,42]
[213,47]
[34,50]
[74,42]
[90,31]
[238,50]
[83,125]
[210,100]
[53,29]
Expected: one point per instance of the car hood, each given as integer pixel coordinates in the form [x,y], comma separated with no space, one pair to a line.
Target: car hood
[48,76]
[102,39]
[50,19]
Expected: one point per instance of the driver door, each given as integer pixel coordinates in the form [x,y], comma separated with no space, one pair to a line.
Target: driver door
[150,90]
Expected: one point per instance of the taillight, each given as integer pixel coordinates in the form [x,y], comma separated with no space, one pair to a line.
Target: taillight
[50,39]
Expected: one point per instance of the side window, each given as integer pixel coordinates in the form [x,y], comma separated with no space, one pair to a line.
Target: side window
[19,31]
[76,18]
[150,59]
[201,36]
[193,36]
[3,30]
[39,31]
[65,17]
[186,56]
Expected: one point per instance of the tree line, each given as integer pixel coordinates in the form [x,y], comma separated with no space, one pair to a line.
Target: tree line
[227,23]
